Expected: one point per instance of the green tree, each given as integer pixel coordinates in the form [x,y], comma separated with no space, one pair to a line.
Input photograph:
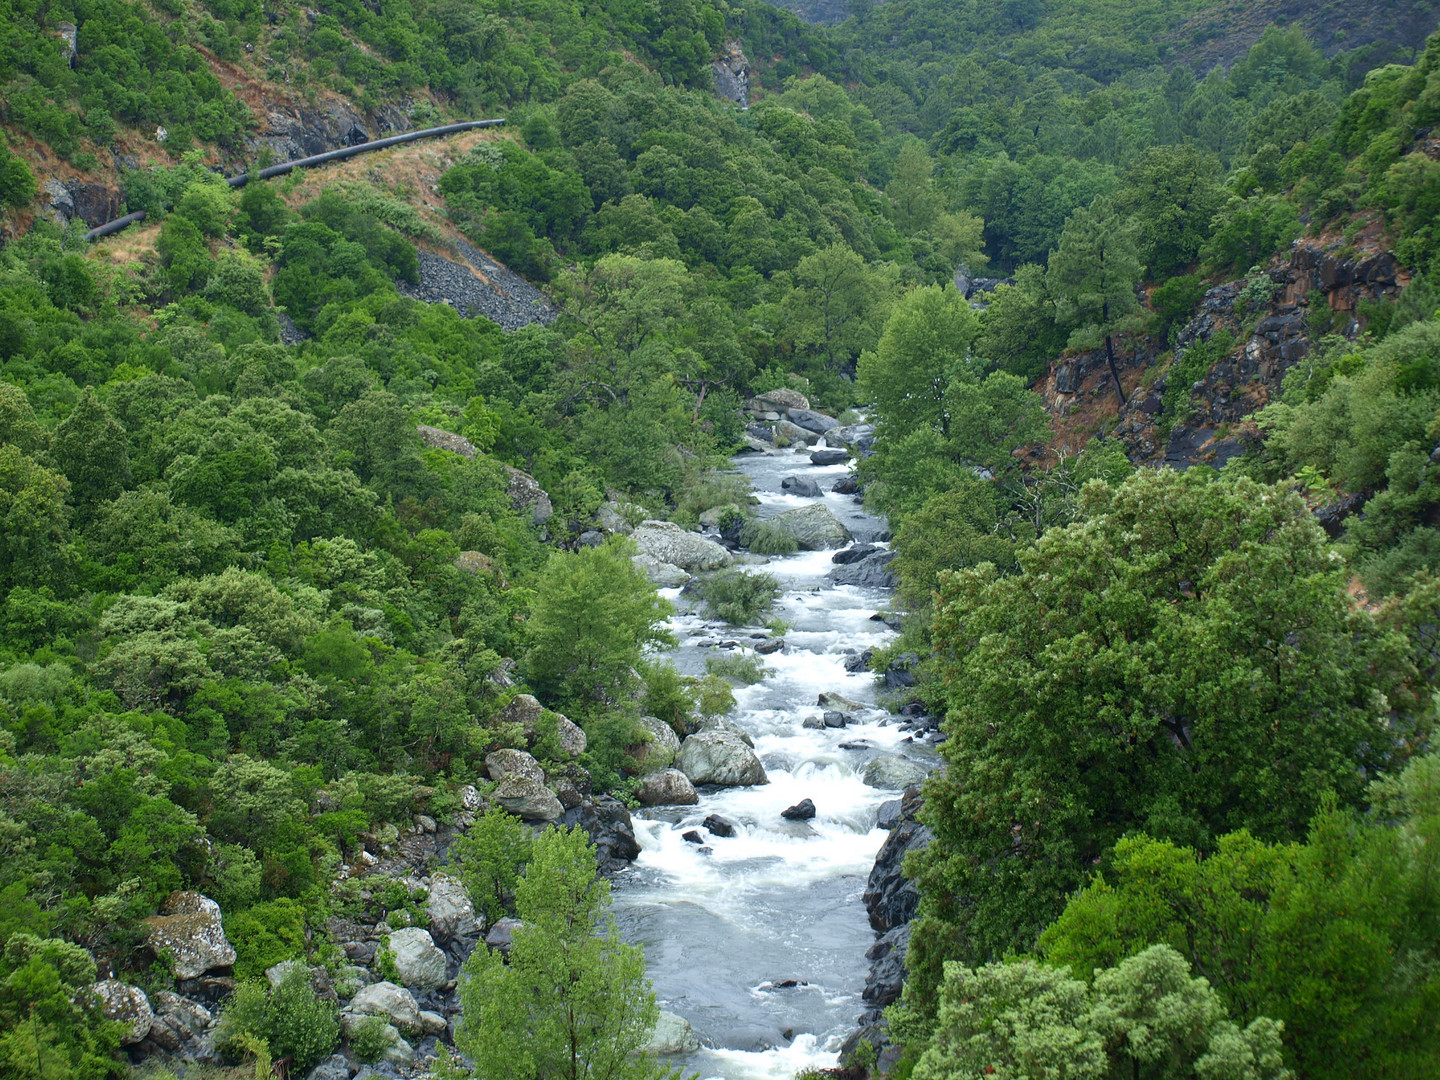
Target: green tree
[572,1001]
[920,354]
[1172,192]
[92,451]
[1185,660]
[1093,276]
[34,521]
[594,615]
[838,305]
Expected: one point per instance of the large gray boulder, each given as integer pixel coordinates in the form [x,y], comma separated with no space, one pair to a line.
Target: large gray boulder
[829,456]
[190,930]
[502,763]
[180,1024]
[813,527]
[395,1003]
[794,433]
[662,575]
[419,963]
[533,720]
[868,572]
[720,723]
[810,420]
[664,744]
[668,787]
[893,773]
[778,400]
[719,757]
[669,543]
[452,915]
[127,1004]
[527,798]
[802,486]
[673,1035]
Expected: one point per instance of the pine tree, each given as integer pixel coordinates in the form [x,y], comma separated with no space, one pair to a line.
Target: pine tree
[92,451]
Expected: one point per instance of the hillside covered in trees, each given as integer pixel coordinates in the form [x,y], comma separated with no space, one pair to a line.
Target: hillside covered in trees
[297,544]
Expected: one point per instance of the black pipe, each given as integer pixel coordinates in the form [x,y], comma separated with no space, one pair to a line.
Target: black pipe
[112,227]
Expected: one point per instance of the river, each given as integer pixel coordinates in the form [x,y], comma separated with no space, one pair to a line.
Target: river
[781,900]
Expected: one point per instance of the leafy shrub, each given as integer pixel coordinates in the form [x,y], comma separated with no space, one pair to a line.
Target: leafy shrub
[739,598]
[370,1038]
[488,859]
[737,668]
[266,934]
[767,538]
[290,1020]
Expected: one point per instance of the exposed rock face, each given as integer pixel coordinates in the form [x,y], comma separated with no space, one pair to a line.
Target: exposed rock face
[527,798]
[612,832]
[189,929]
[732,75]
[476,285]
[662,575]
[395,1003]
[718,757]
[452,915]
[420,964]
[893,773]
[295,131]
[814,527]
[890,897]
[507,762]
[530,715]
[663,746]
[180,1025]
[667,542]
[127,1004]
[667,787]
[870,572]
[673,1035]
[811,420]
[525,493]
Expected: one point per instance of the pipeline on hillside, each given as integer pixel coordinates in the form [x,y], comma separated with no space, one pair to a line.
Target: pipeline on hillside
[110,228]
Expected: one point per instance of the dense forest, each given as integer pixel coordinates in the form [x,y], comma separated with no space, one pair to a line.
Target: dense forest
[260,620]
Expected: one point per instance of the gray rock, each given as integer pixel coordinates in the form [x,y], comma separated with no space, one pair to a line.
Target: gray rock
[393,1002]
[433,1023]
[802,486]
[853,554]
[673,1035]
[815,722]
[502,933]
[470,800]
[421,966]
[611,520]
[835,719]
[425,823]
[888,816]
[532,716]
[793,434]
[590,538]
[452,915]
[669,543]
[770,645]
[778,400]
[720,723]
[719,826]
[662,575]
[276,975]
[190,929]
[527,798]
[719,757]
[668,787]
[478,285]
[804,810]
[127,1004]
[335,1067]
[711,518]
[813,527]
[810,420]
[839,702]
[829,456]
[749,444]
[180,1025]
[664,744]
[871,572]
[731,72]
[892,773]
[608,824]
[505,763]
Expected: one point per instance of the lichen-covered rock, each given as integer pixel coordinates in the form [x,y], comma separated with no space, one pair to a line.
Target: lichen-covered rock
[811,420]
[813,527]
[892,773]
[395,1003]
[667,787]
[127,1004]
[180,1024]
[662,575]
[778,400]
[452,915]
[507,762]
[669,543]
[524,491]
[189,929]
[664,744]
[534,719]
[673,1035]
[527,798]
[420,964]
[719,757]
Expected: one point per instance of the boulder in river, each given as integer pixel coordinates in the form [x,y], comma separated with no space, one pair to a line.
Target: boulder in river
[794,433]
[811,420]
[669,543]
[189,928]
[673,1035]
[854,553]
[610,828]
[667,787]
[719,826]
[718,757]
[662,575]
[804,810]
[835,719]
[692,836]
[802,486]
[813,527]
[892,773]
[831,700]
[829,456]
[770,645]
[662,746]
[871,572]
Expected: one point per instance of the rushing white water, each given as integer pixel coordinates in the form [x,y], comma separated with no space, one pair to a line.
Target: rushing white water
[780,900]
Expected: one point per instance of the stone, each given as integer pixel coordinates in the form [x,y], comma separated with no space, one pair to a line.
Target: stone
[335,1067]
[831,700]
[421,966]
[662,575]
[399,1053]
[452,915]
[276,975]
[667,787]
[871,572]
[794,433]
[801,486]
[189,928]
[669,543]
[719,826]
[611,518]
[887,968]
[804,810]
[501,764]
[425,823]
[711,518]
[859,661]
[610,828]
[393,1002]
[692,836]
[663,746]
[900,673]
[127,1004]
[525,493]
[890,897]
[891,773]
[750,444]
[673,1035]
[180,1023]
[590,538]
[770,645]
[720,723]
[810,420]
[433,1023]
[502,933]
[534,721]
[846,485]
[829,456]
[834,719]
[813,527]
[814,722]
[778,400]
[853,554]
[527,798]
[888,816]
[470,800]
[719,757]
